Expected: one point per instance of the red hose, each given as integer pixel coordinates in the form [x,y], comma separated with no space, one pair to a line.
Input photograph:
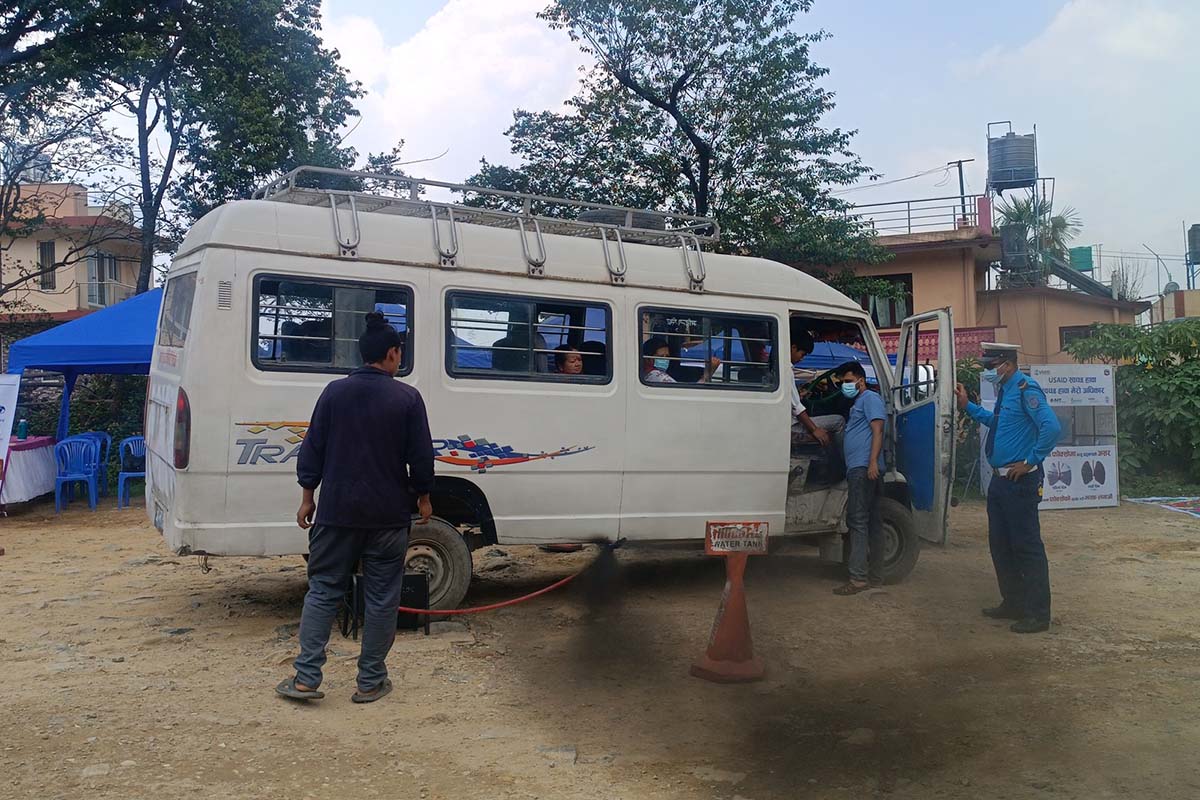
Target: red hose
[494,606]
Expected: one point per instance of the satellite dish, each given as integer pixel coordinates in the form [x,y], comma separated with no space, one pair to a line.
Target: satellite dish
[1171,286]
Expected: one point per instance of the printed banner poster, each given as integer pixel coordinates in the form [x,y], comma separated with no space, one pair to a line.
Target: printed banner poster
[9,386]
[1080,477]
[1075,384]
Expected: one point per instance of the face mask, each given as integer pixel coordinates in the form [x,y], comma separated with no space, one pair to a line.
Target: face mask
[990,375]
[850,390]
[662,364]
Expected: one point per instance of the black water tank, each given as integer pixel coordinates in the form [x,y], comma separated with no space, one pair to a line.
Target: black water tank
[1194,244]
[1012,161]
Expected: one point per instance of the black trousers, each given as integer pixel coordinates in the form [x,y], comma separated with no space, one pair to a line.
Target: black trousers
[1015,538]
[332,555]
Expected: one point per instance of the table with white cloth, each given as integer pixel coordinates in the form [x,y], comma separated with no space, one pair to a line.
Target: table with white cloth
[30,471]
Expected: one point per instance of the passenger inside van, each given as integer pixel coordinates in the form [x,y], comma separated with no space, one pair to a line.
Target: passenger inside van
[568,360]
[511,354]
[594,358]
[657,360]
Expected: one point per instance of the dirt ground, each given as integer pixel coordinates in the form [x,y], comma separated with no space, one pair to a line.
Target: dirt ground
[128,673]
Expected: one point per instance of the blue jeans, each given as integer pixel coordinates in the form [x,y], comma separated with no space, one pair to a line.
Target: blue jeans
[865,524]
[332,556]
[1015,539]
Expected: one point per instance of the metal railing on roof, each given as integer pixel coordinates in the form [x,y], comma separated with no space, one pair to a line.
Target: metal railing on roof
[402,194]
[919,216]
[531,215]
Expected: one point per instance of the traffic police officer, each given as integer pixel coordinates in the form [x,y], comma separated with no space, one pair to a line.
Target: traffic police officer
[1022,431]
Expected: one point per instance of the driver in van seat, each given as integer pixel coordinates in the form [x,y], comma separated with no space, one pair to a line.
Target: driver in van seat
[806,429]
[368,447]
[656,360]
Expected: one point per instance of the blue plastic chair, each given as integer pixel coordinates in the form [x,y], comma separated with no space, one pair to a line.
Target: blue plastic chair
[136,447]
[78,462]
[104,440]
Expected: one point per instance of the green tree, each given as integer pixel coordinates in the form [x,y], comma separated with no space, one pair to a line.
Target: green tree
[1158,393]
[222,93]
[1048,232]
[707,107]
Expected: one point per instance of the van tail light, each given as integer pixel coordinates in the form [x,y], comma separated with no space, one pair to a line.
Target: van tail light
[183,430]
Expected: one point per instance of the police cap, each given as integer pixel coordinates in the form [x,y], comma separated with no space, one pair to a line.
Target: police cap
[996,353]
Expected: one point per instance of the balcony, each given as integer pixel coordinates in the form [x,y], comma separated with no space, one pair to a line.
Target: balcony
[100,294]
[929,215]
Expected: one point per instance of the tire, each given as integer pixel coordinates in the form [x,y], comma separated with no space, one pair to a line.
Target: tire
[902,546]
[438,550]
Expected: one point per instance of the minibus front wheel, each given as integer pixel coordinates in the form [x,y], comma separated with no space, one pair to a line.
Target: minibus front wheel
[439,550]
[902,545]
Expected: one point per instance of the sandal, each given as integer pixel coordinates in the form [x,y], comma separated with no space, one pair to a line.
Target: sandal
[289,690]
[373,695]
[850,587]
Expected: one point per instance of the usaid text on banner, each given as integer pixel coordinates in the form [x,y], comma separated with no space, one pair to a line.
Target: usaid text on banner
[724,538]
[1080,477]
[1075,384]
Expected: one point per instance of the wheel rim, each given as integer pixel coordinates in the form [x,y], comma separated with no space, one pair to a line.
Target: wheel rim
[430,558]
[893,544]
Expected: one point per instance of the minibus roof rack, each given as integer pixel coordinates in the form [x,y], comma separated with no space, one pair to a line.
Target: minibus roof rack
[480,205]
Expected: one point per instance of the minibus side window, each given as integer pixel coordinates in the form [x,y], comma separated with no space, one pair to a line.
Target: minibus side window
[527,338]
[305,325]
[713,350]
[177,310]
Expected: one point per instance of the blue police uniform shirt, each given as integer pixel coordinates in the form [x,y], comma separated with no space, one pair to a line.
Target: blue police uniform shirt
[857,436]
[1025,427]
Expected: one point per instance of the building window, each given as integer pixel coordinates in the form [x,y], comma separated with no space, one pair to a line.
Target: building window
[1071,333]
[696,340]
[885,311]
[527,338]
[48,279]
[306,325]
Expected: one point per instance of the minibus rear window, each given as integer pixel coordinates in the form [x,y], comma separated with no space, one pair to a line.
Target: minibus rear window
[713,350]
[527,338]
[306,325]
[177,310]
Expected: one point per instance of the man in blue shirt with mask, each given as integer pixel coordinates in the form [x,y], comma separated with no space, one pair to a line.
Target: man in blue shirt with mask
[1022,431]
[862,448]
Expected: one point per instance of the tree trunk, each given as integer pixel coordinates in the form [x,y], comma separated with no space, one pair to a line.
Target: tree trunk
[146,201]
[146,270]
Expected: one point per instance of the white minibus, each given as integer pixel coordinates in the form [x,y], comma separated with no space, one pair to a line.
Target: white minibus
[492,290]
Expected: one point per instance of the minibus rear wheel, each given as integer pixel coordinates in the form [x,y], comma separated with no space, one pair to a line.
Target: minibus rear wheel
[438,550]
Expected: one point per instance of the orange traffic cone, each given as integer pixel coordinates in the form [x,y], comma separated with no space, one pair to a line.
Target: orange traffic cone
[730,656]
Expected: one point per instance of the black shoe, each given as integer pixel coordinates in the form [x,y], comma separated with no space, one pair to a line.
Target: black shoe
[1002,612]
[1030,626]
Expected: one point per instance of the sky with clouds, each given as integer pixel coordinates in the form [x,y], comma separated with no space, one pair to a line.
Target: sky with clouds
[1112,86]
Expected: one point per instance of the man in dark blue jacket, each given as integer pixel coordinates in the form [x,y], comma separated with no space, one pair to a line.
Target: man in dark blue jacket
[368,447]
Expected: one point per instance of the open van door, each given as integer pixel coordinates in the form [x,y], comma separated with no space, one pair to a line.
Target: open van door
[924,405]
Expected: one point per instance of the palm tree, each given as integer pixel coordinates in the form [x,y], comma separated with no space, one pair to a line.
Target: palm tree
[1048,232]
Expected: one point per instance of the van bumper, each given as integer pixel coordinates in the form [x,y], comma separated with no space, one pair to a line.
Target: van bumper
[235,540]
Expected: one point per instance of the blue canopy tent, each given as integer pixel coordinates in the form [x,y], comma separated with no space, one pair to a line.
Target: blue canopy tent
[117,340]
